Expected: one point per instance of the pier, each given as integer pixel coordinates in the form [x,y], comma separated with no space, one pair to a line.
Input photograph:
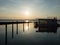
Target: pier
[13,22]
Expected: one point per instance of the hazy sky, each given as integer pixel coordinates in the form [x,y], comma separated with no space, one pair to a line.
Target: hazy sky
[29,8]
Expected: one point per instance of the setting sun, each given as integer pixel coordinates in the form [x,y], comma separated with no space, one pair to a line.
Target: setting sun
[26,12]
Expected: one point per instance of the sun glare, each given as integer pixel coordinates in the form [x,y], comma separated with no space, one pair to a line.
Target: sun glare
[26,12]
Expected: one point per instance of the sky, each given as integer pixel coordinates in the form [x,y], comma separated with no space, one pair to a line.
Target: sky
[27,9]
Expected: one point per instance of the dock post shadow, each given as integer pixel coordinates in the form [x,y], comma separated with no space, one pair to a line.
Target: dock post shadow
[12,32]
[17,29]
[6,34]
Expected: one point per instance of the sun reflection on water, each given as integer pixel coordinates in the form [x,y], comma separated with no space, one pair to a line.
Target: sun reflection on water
[26,21]
[26,28]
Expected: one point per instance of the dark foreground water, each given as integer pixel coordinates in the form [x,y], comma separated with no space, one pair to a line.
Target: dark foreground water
[29,37]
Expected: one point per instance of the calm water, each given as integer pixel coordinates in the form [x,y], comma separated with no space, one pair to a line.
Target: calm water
[29,37]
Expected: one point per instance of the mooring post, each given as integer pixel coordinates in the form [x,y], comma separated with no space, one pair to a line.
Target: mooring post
[17,29]
[12,31]
[38,25]
[6,34]
[23,27]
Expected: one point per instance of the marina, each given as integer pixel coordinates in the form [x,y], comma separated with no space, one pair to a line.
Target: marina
[43,25]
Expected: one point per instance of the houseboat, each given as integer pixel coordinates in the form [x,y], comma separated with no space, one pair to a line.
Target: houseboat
[46,25]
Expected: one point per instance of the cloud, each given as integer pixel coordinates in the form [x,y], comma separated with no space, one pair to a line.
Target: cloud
[38,6]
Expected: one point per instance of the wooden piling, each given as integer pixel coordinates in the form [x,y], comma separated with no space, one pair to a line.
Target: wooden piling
[12,31]
[17,29]
[23,27]
[6,34]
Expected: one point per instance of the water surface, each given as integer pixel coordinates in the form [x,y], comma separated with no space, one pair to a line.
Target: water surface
[29,36]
